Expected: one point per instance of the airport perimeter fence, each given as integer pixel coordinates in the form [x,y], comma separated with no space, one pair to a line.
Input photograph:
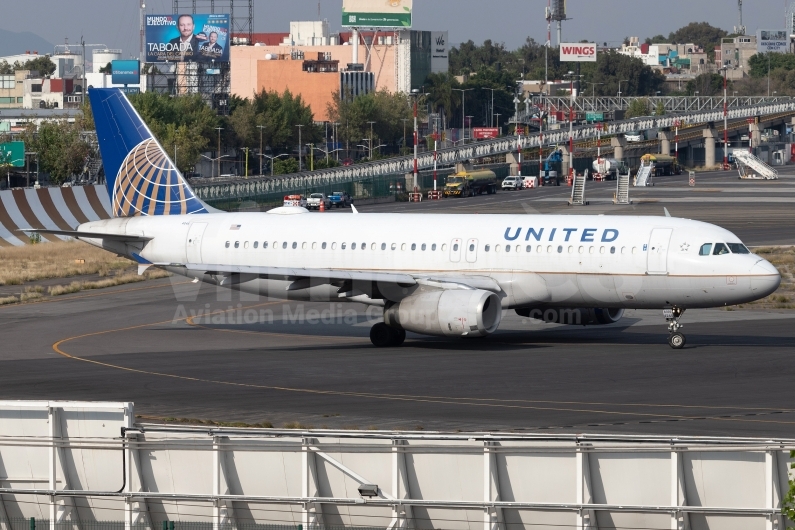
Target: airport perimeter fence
[44,524]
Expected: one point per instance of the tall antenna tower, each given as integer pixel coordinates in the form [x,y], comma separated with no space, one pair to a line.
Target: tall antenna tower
[790,22]
[740,30]
[557,11]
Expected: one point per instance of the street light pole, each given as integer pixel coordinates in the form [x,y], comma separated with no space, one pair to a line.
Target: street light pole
[619,87]
[219,129]
[300,164]
[463,111]
[491,114]
[371,138]
[725,120]
[260,127]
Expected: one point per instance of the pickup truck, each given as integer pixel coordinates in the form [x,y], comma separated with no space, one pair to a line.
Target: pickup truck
[340,199]
[314,200]
[512,183]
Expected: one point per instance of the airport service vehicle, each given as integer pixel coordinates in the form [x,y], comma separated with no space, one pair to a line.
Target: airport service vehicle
[512,183]
[635,136]
[315,199]
[609,167]
[663,164]
[340,199]
[550,175]
[453,281]
[469,183]
[294,200]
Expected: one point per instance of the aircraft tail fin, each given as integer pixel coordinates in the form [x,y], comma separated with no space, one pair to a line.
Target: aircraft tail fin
[140,177]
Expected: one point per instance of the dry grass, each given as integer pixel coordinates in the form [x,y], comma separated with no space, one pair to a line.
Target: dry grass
[783,258]
[61,259]
[120,279]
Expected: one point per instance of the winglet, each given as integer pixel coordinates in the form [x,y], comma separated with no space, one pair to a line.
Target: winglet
[667,214]
[353,209]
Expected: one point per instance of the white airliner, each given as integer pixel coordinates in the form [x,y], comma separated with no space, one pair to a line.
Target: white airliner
[445,275]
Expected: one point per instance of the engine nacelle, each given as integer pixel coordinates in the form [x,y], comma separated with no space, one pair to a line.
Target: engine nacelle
[578,316]
[474,313]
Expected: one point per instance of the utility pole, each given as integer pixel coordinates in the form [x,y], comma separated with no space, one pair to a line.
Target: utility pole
[371,138]
[260,127]
[83,94]
[219,129]
[725,119]
[463,112]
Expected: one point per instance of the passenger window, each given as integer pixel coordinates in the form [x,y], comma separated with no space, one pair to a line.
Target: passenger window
[284,245]
[487,248]
[256,244]
[560,249]
[295,245]
[471,247]
[496,248]
[323,246]
[394,246]
[571,249]
[237,244]
[226,245]
[539,249]
[245,245]
[264,244]
[720,249]
[342,247]
[528,248]
[612,250]
[414,246]
[423,246]
[403,246]
[333,246]
[303,245]
[581,250]
[601,250]
[706,249]
[507,248]
[444,247]
[738,248]
[364,246]
[353,246]
[455,247]
[372,246]
[383,246]
[314,246]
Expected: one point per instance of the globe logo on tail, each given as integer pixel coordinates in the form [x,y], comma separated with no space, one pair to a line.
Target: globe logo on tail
[148,184]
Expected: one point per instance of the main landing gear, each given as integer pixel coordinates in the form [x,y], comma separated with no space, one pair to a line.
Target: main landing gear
[382,335]
[676,339]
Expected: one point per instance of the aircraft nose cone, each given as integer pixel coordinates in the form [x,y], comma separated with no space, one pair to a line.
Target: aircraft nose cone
[765,278]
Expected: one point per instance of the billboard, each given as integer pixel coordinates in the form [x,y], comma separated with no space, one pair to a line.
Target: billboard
[440,52]
[772,40]
[377,13]
[12,154]
[485,133]
[583,52]
[184,38]
[125,72]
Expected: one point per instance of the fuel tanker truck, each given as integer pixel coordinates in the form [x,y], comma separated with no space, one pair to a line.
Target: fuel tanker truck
[609,167]
[468,183]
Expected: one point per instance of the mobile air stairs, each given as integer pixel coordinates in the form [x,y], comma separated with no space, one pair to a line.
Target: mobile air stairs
[622,189]
[644,176]
[578,190]
[751,167]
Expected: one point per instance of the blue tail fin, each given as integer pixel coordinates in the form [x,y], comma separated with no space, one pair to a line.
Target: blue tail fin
[140,177]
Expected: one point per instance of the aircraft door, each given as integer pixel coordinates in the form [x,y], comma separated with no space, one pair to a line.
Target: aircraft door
[657,251]
[455,250]
[472,250]
[194,242]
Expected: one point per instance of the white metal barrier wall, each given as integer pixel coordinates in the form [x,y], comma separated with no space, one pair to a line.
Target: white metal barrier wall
[80,462]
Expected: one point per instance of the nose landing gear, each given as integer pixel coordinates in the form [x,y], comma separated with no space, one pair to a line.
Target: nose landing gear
[676,339]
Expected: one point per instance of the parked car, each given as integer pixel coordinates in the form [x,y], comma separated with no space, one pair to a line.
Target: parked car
[340,199]
[512,183]
[316,199]
[635,136]
[295,200]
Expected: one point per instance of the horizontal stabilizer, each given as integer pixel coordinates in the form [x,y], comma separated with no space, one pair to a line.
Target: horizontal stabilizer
[90,235]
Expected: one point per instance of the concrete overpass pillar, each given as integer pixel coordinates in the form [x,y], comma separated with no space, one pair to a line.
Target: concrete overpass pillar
[512,159]
[755,135]
[618,143]
[709,147]
[665,137]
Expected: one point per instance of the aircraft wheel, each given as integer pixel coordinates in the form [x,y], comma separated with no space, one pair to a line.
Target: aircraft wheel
[676,340]
[381,335]
[398,336]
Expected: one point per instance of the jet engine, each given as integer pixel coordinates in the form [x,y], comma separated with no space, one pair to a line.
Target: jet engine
[473,313]
[578,316]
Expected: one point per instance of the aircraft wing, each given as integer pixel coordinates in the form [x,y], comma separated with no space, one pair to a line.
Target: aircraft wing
[304,277]
[89,235]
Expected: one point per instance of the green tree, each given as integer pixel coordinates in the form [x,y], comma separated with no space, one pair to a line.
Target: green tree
[5,68]
[385,109]
[700,33]
[660,110]
[778,61]
[62,150]
[285,166]
[638,107]
[42,64]
[707,85]
[107,69]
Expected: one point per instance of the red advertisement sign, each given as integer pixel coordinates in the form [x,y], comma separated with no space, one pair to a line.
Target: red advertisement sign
[485,133]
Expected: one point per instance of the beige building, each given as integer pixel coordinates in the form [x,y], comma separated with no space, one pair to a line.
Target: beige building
[736,52]
[12,89]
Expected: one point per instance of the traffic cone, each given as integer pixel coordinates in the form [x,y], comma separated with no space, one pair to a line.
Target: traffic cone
[322,205]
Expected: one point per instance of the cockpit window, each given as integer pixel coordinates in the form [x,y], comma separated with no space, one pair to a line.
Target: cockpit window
[720,249]
[738,248]
[706,249]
